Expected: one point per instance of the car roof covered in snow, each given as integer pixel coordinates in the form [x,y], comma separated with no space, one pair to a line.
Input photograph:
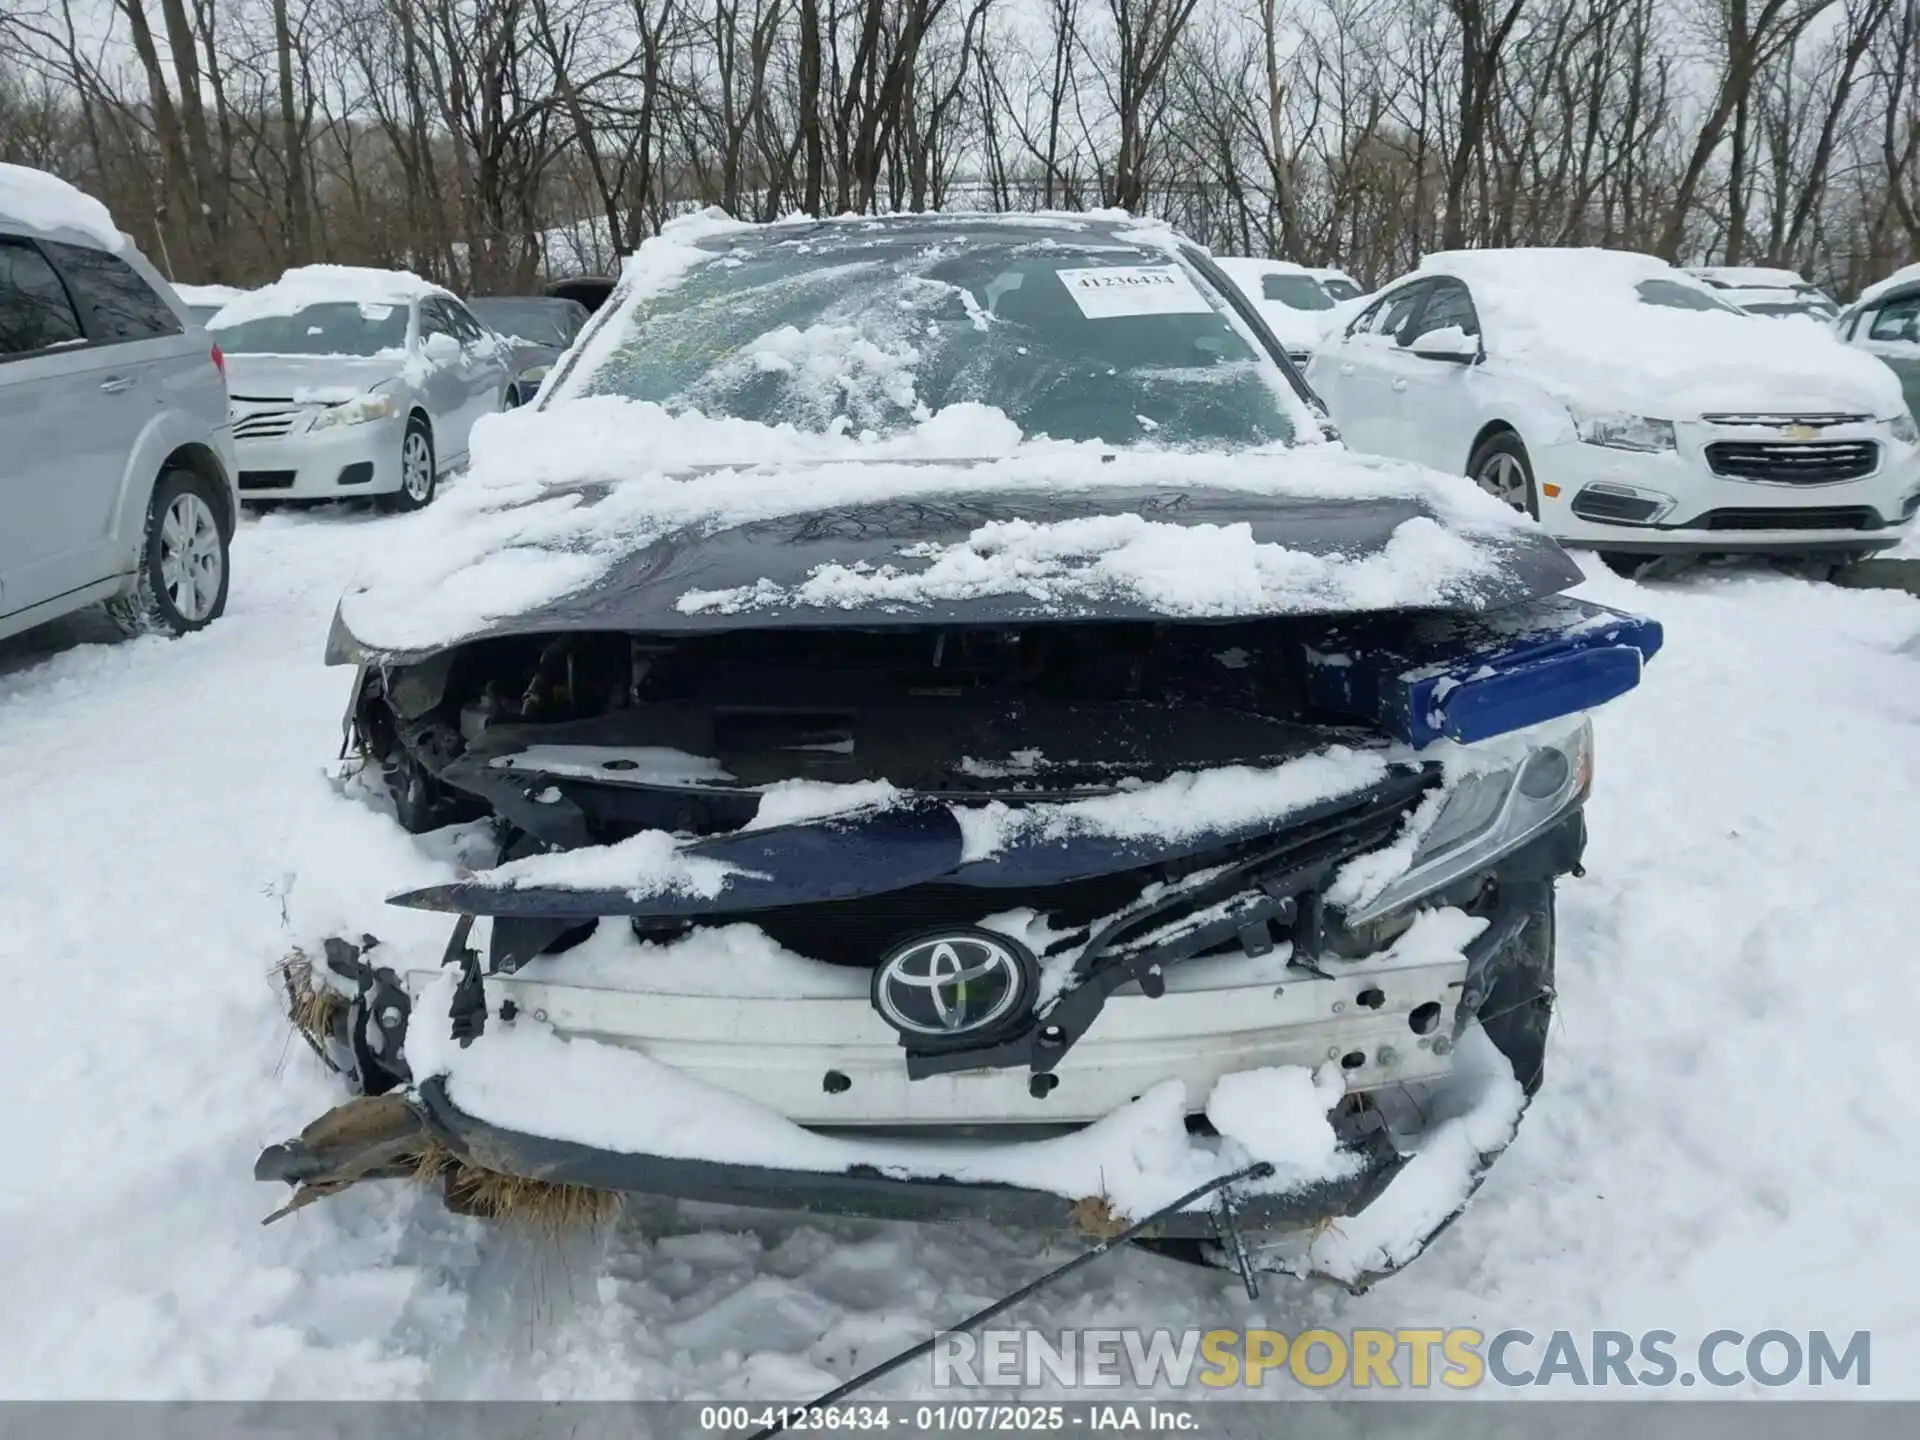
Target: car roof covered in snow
[1243,265]
[1614,329]
[46,204]
[323,285]
[1900,280]
[208,294]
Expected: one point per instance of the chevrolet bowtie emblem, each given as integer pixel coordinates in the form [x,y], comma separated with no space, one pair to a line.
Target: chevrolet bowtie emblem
[1801,432]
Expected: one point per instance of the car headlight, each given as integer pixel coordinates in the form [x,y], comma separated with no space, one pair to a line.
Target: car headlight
[357,411]
[1905,429]
[1490,813]
[535,375]
[1622,432]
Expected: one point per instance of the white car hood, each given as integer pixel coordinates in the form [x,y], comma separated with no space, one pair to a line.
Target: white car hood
[315,378]
[1692,364]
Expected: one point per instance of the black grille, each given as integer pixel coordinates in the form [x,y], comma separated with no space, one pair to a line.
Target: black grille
[1813,462]
[1830,517]
[267,479]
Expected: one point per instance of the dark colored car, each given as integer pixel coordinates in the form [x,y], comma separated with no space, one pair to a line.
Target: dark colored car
[1036,773]
[539,328]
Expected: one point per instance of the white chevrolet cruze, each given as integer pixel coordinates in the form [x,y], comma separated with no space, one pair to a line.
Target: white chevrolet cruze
[1627,406]
[349,382]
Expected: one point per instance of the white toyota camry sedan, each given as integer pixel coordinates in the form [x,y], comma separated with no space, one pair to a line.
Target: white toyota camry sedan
[1627,406]
[349,382]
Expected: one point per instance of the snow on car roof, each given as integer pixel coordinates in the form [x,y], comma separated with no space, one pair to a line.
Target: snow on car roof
[1580,323]
[208,294]
[322,285]
[1237,265]
[1765,277]
[36,200]
[1905,275]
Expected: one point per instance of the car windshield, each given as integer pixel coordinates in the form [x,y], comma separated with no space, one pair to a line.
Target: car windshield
[1341,289]
[342,327]
[536,322]
[1789,307]
[1674,295]
[1077,340]
[1296,292]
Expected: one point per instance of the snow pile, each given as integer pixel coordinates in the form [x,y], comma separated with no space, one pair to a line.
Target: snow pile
[646,865]
[323,285]
[791,802]
[1180,807]
[39,201]
[1573,320]
[208,294]
[713,960]
[1194,571]
[523,1076]
[1476,1114]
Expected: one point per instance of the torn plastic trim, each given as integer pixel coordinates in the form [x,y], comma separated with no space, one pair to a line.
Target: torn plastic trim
[1469,678]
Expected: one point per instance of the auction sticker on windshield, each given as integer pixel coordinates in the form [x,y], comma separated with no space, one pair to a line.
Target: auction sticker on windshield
[1113,290]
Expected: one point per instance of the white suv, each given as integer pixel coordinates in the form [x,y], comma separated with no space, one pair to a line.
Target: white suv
[1627,406]
[118,478]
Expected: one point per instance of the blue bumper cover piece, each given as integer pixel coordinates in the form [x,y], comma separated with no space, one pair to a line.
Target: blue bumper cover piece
[1470,678]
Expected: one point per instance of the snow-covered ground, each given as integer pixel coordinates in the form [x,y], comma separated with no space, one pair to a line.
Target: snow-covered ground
[1723,1140]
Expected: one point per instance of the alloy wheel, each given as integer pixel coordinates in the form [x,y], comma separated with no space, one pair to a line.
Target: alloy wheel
[416,466]
[190,562]
[1503,478]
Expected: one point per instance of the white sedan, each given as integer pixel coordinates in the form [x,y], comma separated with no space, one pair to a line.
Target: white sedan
[350,383]
[1625,405]
[1295,306]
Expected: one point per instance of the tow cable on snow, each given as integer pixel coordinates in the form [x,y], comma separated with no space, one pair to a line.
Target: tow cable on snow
[1224,1222]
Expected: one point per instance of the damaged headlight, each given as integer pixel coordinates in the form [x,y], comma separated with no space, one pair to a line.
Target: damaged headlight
[1622,432]
[1489,813]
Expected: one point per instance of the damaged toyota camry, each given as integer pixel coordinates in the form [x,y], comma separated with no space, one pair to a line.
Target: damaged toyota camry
[956,736]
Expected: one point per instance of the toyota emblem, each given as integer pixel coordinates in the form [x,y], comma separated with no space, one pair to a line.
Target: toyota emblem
[954,987]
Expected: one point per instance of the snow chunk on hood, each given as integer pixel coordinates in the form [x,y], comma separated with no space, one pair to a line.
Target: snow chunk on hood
[1198,571]
[1572,320]
[324,285]
[644,865]
[44,202]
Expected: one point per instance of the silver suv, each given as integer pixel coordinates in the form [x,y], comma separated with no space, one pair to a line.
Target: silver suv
[116,459]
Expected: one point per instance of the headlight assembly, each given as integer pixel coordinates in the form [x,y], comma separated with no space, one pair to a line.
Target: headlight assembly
[1490,813]
[357,411]
[1622,432]
[1905,429]
[535,374]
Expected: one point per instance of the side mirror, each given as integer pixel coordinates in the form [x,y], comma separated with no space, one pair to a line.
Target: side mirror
[1450,344]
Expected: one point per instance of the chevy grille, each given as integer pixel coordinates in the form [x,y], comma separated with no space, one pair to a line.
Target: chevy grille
[1787,462]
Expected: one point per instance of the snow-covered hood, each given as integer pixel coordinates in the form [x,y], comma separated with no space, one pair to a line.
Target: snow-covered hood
[879,539]
[1681,365]
[302,378]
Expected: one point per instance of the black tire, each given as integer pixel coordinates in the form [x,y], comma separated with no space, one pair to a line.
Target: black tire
[1495,454]
[399,501]
[183,560]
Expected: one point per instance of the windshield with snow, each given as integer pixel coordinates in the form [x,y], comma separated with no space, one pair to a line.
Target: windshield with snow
[1095,341]
[1675,295]
[333,328]
[534,322]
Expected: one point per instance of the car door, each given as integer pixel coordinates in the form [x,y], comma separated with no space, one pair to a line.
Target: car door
[448,390]
[1892,331]
[73,404]
[1368,407]
[1433,400]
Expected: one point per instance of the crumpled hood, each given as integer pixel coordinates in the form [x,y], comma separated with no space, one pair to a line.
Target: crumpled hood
[317,377]
[887,543]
